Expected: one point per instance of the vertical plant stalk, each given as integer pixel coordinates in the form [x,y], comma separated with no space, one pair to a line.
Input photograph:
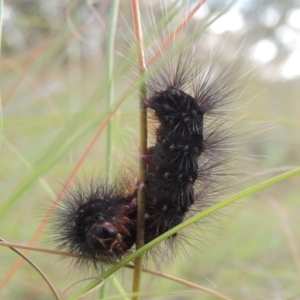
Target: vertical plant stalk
[49,283]
[110,66]
[138,263]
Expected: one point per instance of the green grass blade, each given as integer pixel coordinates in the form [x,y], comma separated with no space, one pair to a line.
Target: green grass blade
[29,167]
[53,155]
[188,222]
[110,80]
[120,289]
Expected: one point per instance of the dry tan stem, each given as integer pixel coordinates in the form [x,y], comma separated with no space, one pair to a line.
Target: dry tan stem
[138,264]
[185,282]
[163,275]
[51,286]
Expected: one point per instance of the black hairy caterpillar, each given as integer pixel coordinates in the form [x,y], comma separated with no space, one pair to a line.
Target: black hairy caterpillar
[98,221]
[185,152]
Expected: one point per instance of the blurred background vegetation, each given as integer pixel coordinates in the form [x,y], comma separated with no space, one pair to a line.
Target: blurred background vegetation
[54,90]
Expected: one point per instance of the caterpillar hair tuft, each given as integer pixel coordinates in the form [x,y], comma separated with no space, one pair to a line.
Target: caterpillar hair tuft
[97,220]
[185,167]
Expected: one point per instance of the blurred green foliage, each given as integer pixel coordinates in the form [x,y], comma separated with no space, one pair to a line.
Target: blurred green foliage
[54,94]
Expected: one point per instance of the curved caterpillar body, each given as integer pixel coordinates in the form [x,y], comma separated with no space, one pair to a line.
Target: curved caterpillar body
[178,145]
[173,167]
[185,150]
[100,223]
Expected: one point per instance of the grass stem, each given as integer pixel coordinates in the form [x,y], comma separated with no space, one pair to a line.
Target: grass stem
[138,264]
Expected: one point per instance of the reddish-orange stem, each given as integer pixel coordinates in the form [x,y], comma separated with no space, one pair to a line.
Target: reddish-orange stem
[138,263]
